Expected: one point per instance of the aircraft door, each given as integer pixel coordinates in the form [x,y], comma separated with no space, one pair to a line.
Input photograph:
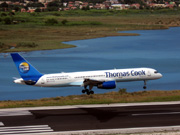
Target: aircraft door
[43,81]
[70,78]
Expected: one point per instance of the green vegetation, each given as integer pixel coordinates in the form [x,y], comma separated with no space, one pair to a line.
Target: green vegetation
[49,29]
[51,21]
[2,45]
[28,45]
[111,97]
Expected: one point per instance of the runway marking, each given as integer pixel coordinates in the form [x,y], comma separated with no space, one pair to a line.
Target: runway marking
[137,130]
[1,124]
[163,113]
[15,113]
[25,129]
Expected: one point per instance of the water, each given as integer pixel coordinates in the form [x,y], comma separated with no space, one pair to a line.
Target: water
[158,49]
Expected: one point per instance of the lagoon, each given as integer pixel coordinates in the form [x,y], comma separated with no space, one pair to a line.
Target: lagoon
[158,49]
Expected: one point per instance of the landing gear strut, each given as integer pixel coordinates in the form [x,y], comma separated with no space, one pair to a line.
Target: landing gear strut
[144,84]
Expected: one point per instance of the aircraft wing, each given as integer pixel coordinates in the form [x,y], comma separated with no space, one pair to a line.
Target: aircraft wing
[77,83]
[99,83]
[88,82]
[103,84]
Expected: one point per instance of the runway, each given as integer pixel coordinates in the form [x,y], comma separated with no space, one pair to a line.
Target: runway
[80,118]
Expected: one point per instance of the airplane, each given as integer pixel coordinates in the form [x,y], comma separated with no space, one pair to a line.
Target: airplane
[102,79]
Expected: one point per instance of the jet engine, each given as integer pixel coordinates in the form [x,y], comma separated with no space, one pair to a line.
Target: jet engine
[107,85]
[30,82]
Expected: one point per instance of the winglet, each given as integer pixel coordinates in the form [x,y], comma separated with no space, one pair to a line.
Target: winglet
[25,69]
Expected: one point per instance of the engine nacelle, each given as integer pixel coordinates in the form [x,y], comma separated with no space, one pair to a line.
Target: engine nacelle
[30,82]
[107,85]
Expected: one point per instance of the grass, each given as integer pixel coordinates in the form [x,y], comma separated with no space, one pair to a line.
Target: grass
[106,98]
[80,25]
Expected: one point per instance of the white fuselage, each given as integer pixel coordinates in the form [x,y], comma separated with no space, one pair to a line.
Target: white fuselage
[77,78]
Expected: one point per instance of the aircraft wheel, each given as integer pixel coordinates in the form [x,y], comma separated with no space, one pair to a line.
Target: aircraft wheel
[92,92]
[86,90]
[144,87]
[83,91]
[88,93]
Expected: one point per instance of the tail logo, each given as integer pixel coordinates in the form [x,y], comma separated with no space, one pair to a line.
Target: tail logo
[24,67]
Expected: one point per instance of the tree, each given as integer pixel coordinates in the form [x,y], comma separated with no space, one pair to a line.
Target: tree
[37,4]
[86,8]
[7,20]
[3,14]
[52,9]
[11,13]
[38,10]
[64,22]
[2,45]
[177,3]
[16,8]
[4,5]
[53,6]
[51,21]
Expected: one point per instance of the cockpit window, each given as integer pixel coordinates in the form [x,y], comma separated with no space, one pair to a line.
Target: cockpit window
[155,71]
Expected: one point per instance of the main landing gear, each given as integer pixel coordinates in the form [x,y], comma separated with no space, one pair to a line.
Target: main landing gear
[144,84]
[86,84]
[88,92]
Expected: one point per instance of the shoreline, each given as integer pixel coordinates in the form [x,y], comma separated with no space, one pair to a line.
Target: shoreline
[57,35]
[72,46]
[37,35]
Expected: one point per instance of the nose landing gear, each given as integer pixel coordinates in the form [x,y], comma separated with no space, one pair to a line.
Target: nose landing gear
[144,85]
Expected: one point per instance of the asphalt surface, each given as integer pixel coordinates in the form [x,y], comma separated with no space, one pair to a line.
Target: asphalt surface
[90,118]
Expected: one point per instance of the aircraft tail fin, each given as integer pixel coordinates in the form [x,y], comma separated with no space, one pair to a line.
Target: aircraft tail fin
[29,74]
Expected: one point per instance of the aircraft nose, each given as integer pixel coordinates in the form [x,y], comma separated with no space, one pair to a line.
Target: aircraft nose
[160,75]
